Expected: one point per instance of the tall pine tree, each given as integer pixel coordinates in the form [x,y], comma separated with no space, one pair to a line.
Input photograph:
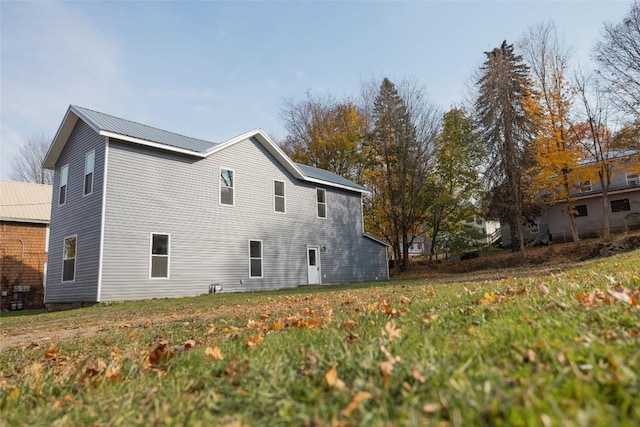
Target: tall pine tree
[504,91]
[397,172]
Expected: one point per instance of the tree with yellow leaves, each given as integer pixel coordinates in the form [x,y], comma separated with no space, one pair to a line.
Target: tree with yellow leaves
[556,155]
[326,134]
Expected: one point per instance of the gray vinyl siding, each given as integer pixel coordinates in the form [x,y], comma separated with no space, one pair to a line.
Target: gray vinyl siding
[157,191]
[591,225]
[80,215]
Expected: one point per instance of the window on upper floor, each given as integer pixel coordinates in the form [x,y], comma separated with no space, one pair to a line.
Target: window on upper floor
[321,202]
[579,210]
[227,187]
[255,258]
[620,205]
[633,179]
[64,177]
[278,196]
[69,259]
[89,164]
[159,256]
[584,186]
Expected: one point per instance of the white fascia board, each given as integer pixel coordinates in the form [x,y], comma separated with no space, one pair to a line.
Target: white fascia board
[280,155]
[333,184]
[267,143]
[59,141]
[599,194]
[151,144]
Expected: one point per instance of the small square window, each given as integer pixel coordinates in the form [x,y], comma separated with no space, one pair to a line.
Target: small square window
[633,179]
[585,186]
[620,205]
[579,210]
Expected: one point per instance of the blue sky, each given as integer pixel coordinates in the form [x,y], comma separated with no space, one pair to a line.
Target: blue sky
[214,70]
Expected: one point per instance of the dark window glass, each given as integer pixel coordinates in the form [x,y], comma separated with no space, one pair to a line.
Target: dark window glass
[620,205]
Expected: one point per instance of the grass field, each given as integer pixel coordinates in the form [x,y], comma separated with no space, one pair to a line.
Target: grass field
[556,349]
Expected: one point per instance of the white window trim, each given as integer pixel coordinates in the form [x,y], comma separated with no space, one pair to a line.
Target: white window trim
[261,258]
[635,178]
[84,177]
[326,209]
[66,185]
[583,184]
[220,186]
[75,259]
[168,256]
[284,196]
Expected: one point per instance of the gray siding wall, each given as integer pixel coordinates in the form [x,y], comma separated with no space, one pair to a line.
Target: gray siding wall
[80,215]
[591,225]
[156,191]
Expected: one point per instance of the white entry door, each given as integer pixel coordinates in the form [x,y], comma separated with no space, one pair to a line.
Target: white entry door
[313,264]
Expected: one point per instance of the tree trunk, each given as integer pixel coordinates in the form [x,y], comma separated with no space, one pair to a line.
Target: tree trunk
[606,224]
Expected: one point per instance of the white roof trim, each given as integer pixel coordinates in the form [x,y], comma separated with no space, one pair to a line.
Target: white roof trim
[150,143]
[73,114]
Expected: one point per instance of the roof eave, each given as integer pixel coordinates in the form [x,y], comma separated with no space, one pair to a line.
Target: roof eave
[151,144]
[59,141]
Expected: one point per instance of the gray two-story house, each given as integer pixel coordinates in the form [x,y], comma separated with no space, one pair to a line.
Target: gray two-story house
[140,212]
[623,201]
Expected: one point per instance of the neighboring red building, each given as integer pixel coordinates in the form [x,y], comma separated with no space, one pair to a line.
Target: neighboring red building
[25,210]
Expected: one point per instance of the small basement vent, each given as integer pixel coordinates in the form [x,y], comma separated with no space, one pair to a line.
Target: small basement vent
[215,288]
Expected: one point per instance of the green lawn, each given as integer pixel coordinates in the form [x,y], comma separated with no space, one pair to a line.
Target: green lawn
[562,349]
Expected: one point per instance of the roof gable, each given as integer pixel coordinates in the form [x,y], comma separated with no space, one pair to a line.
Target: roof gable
[137,133]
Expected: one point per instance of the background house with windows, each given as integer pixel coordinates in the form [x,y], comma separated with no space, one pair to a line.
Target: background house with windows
[139,212]
[25,209]
[623,205]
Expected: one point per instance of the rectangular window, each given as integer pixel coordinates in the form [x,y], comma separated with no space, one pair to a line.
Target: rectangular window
[620,205]
[580,210]
[159,264]
[89,162]
[69,259]
[585,186]
[632,179]
[227,187]
[321,201]
[255,258]
[278,196]
[64,176]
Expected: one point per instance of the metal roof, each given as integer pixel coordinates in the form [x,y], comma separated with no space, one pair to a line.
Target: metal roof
[126,130]
[25,202]
[324,175]
[611,155]
[105,122]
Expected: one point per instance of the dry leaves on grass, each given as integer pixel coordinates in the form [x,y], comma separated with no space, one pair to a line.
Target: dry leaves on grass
[391,331]
[213,353]
[359,397]
[599,297]
[332,378]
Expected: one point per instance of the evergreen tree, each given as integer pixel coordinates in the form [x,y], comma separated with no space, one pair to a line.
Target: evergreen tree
[397,172]
[504,91]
